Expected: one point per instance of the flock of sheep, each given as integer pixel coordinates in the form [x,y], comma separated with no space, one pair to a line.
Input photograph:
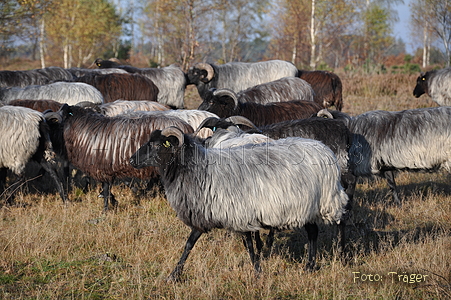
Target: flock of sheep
[263,150]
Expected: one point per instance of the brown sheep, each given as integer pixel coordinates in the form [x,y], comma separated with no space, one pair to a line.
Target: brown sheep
[327,86]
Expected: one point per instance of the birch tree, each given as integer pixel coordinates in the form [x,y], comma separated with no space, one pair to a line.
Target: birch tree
[82,29]
[434,16]
[311,27]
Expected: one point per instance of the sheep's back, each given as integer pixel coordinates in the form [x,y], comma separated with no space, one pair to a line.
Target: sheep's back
[280,90]
[64,92]
[284,184]
[239,76]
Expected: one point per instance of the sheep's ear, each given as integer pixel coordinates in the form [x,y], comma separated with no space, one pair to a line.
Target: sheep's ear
[64,110]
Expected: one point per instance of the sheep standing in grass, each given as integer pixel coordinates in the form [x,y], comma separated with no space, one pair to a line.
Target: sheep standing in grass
[333,133]
[408,140]
[436,84]
[238,76]
[287,184]
[25,137]
[101,146]
[226,103]
[63,92]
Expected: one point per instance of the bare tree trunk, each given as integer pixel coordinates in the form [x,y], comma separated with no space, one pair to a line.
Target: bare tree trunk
[41,43]
[65,55]
[294,52]
[426,46]
[313,37]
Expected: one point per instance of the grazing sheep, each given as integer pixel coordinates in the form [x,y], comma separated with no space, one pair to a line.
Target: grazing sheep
[226,103]
[119,107]
[408,140]
[286,184]
[170,80]
[436,84]
[25,138]
[121,86]
[63,92]
[100,146]
[238,76]
[327,87]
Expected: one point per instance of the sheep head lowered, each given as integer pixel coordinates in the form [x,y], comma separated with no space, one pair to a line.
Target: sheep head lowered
[200,72]
[221,102]
[159,150]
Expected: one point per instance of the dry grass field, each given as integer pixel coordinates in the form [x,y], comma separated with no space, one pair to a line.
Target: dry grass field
[52,251]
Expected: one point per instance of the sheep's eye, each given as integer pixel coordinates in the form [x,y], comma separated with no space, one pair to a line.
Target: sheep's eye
[423,78]
[167,144]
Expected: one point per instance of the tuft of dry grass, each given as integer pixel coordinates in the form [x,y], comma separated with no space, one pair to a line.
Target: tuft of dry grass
[52,251]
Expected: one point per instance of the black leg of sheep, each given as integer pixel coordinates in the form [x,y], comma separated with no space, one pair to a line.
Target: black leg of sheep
[390,176]
[3,174]
[108,197]
[249,244]
[312,235]
[192,239]
[49,168]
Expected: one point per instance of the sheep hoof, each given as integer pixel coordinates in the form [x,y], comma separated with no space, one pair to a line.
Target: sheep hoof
[173,278]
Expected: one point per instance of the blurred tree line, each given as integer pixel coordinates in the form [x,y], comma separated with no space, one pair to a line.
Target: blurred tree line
[312,34]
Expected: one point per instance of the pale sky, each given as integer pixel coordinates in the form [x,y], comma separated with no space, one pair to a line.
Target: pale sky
[402,26]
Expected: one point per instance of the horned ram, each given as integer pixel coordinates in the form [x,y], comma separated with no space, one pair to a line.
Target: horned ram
[226,103]
[237,76]
[286,184]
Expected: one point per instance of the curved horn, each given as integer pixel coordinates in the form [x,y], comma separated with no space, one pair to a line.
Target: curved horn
[226,92]
[210,121]
[175,131]
[51,115]
[324,113]
[240,120]
[86,104]
[208,68]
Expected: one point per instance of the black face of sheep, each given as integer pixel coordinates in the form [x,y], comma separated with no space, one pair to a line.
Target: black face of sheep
[201,72]
[222,104]
[105,63]
[422,85]
[159,150]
